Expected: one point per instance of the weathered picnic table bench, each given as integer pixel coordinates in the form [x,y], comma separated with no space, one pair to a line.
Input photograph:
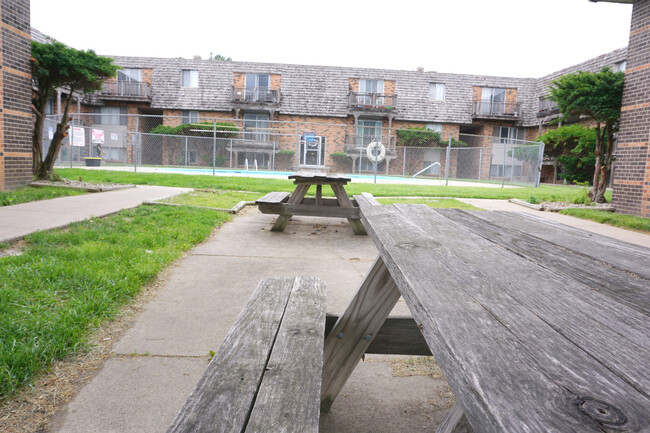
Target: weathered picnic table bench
[537,326]
[286,205]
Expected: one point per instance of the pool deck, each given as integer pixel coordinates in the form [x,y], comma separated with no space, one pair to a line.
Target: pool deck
[356,178]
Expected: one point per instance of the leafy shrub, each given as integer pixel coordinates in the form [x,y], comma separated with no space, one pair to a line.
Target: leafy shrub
[202,129]
[422,137]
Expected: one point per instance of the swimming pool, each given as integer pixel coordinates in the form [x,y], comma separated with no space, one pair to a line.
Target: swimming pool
[356,178]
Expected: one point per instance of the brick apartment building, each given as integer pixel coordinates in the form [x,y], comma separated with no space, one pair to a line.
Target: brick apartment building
[15,99]
[344,107]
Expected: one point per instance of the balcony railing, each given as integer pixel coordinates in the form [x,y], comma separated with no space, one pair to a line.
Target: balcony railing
[256,95]
[372,101]
[123,89]
[355,143]
[488,108]
[547,107]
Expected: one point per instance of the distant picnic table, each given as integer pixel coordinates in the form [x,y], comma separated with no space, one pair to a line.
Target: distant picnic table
[286,205]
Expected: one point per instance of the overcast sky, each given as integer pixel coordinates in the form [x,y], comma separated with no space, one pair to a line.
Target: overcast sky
[520,38]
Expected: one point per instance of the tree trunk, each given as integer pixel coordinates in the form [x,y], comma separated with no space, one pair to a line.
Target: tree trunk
[594,193]
[45,168]
[37,139]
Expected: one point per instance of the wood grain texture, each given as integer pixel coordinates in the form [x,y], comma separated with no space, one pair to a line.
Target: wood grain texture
[521,350]
[273,198]
[365,199]
[455,421]
[622,255]
[225,392]
[619,286]
[289,396]
[353,333]
[398,335]
[296,198]
[345,202]
[271,358]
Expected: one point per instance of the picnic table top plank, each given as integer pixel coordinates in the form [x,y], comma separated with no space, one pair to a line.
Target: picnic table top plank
[510,368]
[624,256]
[620,286]
[228,383]
[315,177]
[299,343]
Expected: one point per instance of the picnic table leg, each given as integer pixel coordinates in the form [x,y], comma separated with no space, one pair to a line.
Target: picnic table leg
[455,421]
[353,332]
[344,201]
[296,198]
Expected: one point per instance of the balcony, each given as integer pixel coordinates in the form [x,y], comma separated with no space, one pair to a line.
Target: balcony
[487,109]
[354,144]
[547,108]
[126,91]
[372,102]
[262,96]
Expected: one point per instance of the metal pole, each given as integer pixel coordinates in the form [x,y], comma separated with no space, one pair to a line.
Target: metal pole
[70,140]
[503,175]
[404,163]
[186,151]
[512,164]
[447,156]
[539,166]
[273,157]
[214,146]
[231,153]
[480,162]
[135,144]
[124,149]
[298,155]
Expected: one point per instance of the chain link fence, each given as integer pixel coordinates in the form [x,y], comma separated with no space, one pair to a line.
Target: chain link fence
[255,143]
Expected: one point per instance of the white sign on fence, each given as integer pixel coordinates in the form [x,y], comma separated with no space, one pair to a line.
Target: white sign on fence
[114,136]
[78,136]
[98,136]
[50,132]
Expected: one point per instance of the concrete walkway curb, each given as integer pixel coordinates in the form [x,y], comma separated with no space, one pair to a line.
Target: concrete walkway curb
[20,220]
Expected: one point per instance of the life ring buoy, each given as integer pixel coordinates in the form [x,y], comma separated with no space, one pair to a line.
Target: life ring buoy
[381,151]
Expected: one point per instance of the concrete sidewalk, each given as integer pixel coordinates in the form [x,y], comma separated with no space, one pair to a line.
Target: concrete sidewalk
[19,220]
[155,365]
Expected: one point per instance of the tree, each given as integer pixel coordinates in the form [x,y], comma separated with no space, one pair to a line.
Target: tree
[55,65]
[573,147]
[220,58]
[597,95]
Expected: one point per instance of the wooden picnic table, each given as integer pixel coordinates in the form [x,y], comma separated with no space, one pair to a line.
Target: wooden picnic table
[296,204]
[537,326]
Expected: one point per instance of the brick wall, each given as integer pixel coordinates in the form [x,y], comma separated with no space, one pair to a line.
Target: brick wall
[15,95]
[632,166]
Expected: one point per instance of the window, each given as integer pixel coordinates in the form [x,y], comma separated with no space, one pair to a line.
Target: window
[189,117]
[129,75]
[367,132]
[49,106]
[257,87]
[368,88]
[493,101]
[256,127]
[437,127]
[437,91]
[619,66]
[190,78]
[129,82]
[506,134]
[110,115]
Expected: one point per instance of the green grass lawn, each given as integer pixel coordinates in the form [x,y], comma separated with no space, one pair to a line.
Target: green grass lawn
[68,281]
[214,198]
[543,193]
[611,218]
[441,203]
[29,193]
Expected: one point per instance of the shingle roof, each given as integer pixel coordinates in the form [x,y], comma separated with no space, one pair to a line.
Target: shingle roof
[323,90]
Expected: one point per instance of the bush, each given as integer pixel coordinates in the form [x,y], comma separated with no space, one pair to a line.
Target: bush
[422,137]
[202,129]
